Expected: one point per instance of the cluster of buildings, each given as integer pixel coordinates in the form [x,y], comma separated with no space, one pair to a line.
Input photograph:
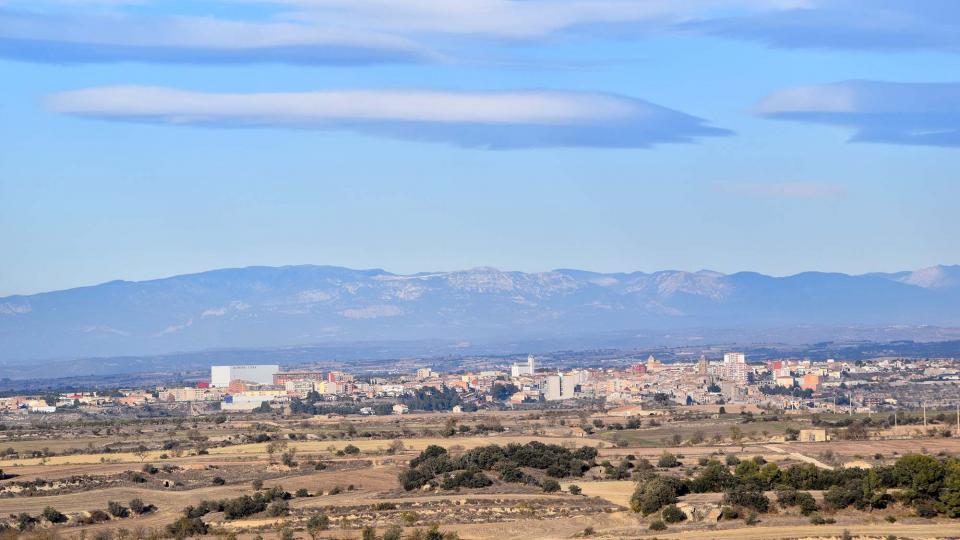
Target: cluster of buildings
[786,384]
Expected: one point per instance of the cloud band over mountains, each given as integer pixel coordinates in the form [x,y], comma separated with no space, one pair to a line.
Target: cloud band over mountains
[497,120]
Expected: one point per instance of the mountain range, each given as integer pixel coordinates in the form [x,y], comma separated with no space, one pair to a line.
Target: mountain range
[295,305]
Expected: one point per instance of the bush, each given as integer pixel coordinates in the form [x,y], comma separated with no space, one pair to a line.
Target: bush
[469,479]
[351,450]
[302,492]
[394,532]
[278,508]
[317,523]
[925,509]
[732,460]
[138,506]
[52,515]
[817,519]
[380,506]
[658,526]
[672,514]
[550,485]
[217,481]
[891,519]
[185,527]
[574,489]
[656,493]
[668,460]
[754,499]
[117,510]
[728,513]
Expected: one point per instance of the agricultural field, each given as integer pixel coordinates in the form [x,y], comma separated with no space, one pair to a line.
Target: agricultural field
[499,475]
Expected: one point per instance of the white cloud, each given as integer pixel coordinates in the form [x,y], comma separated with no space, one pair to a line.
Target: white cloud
[514,19]
[110,37]
[884,112]
[878,25]
[512,119]
[784,190]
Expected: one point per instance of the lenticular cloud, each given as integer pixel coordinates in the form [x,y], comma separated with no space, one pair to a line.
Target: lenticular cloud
[881,112]
[500,120]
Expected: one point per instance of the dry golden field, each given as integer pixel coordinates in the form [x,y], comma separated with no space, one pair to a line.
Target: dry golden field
[217,461]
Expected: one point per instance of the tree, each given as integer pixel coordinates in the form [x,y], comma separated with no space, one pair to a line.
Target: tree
[317,523]
[753,499]
[656,493]
[922,475]
[550,485]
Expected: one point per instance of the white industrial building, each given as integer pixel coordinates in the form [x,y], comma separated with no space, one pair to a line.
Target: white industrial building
[220,376]
[518,369]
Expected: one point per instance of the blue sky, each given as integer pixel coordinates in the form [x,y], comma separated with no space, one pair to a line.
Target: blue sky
[145,139]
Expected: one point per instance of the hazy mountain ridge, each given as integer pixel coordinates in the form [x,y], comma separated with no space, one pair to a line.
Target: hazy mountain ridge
[279,306]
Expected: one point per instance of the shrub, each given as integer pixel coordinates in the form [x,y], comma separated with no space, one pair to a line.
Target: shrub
[278,508]
[394,532]
[732,460]
[550,485]
[656,493]
[668,460]
[574,489]
[672,514]
[817,519]
[384,506]
[925,509]
[25,521]
[138,506]
[891,519]
[351,450]
[117,510]
[217,481]
[470,479]
[302,492]
[753,499]
[317,523]
[658,526]
[52,515]
[185,527]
